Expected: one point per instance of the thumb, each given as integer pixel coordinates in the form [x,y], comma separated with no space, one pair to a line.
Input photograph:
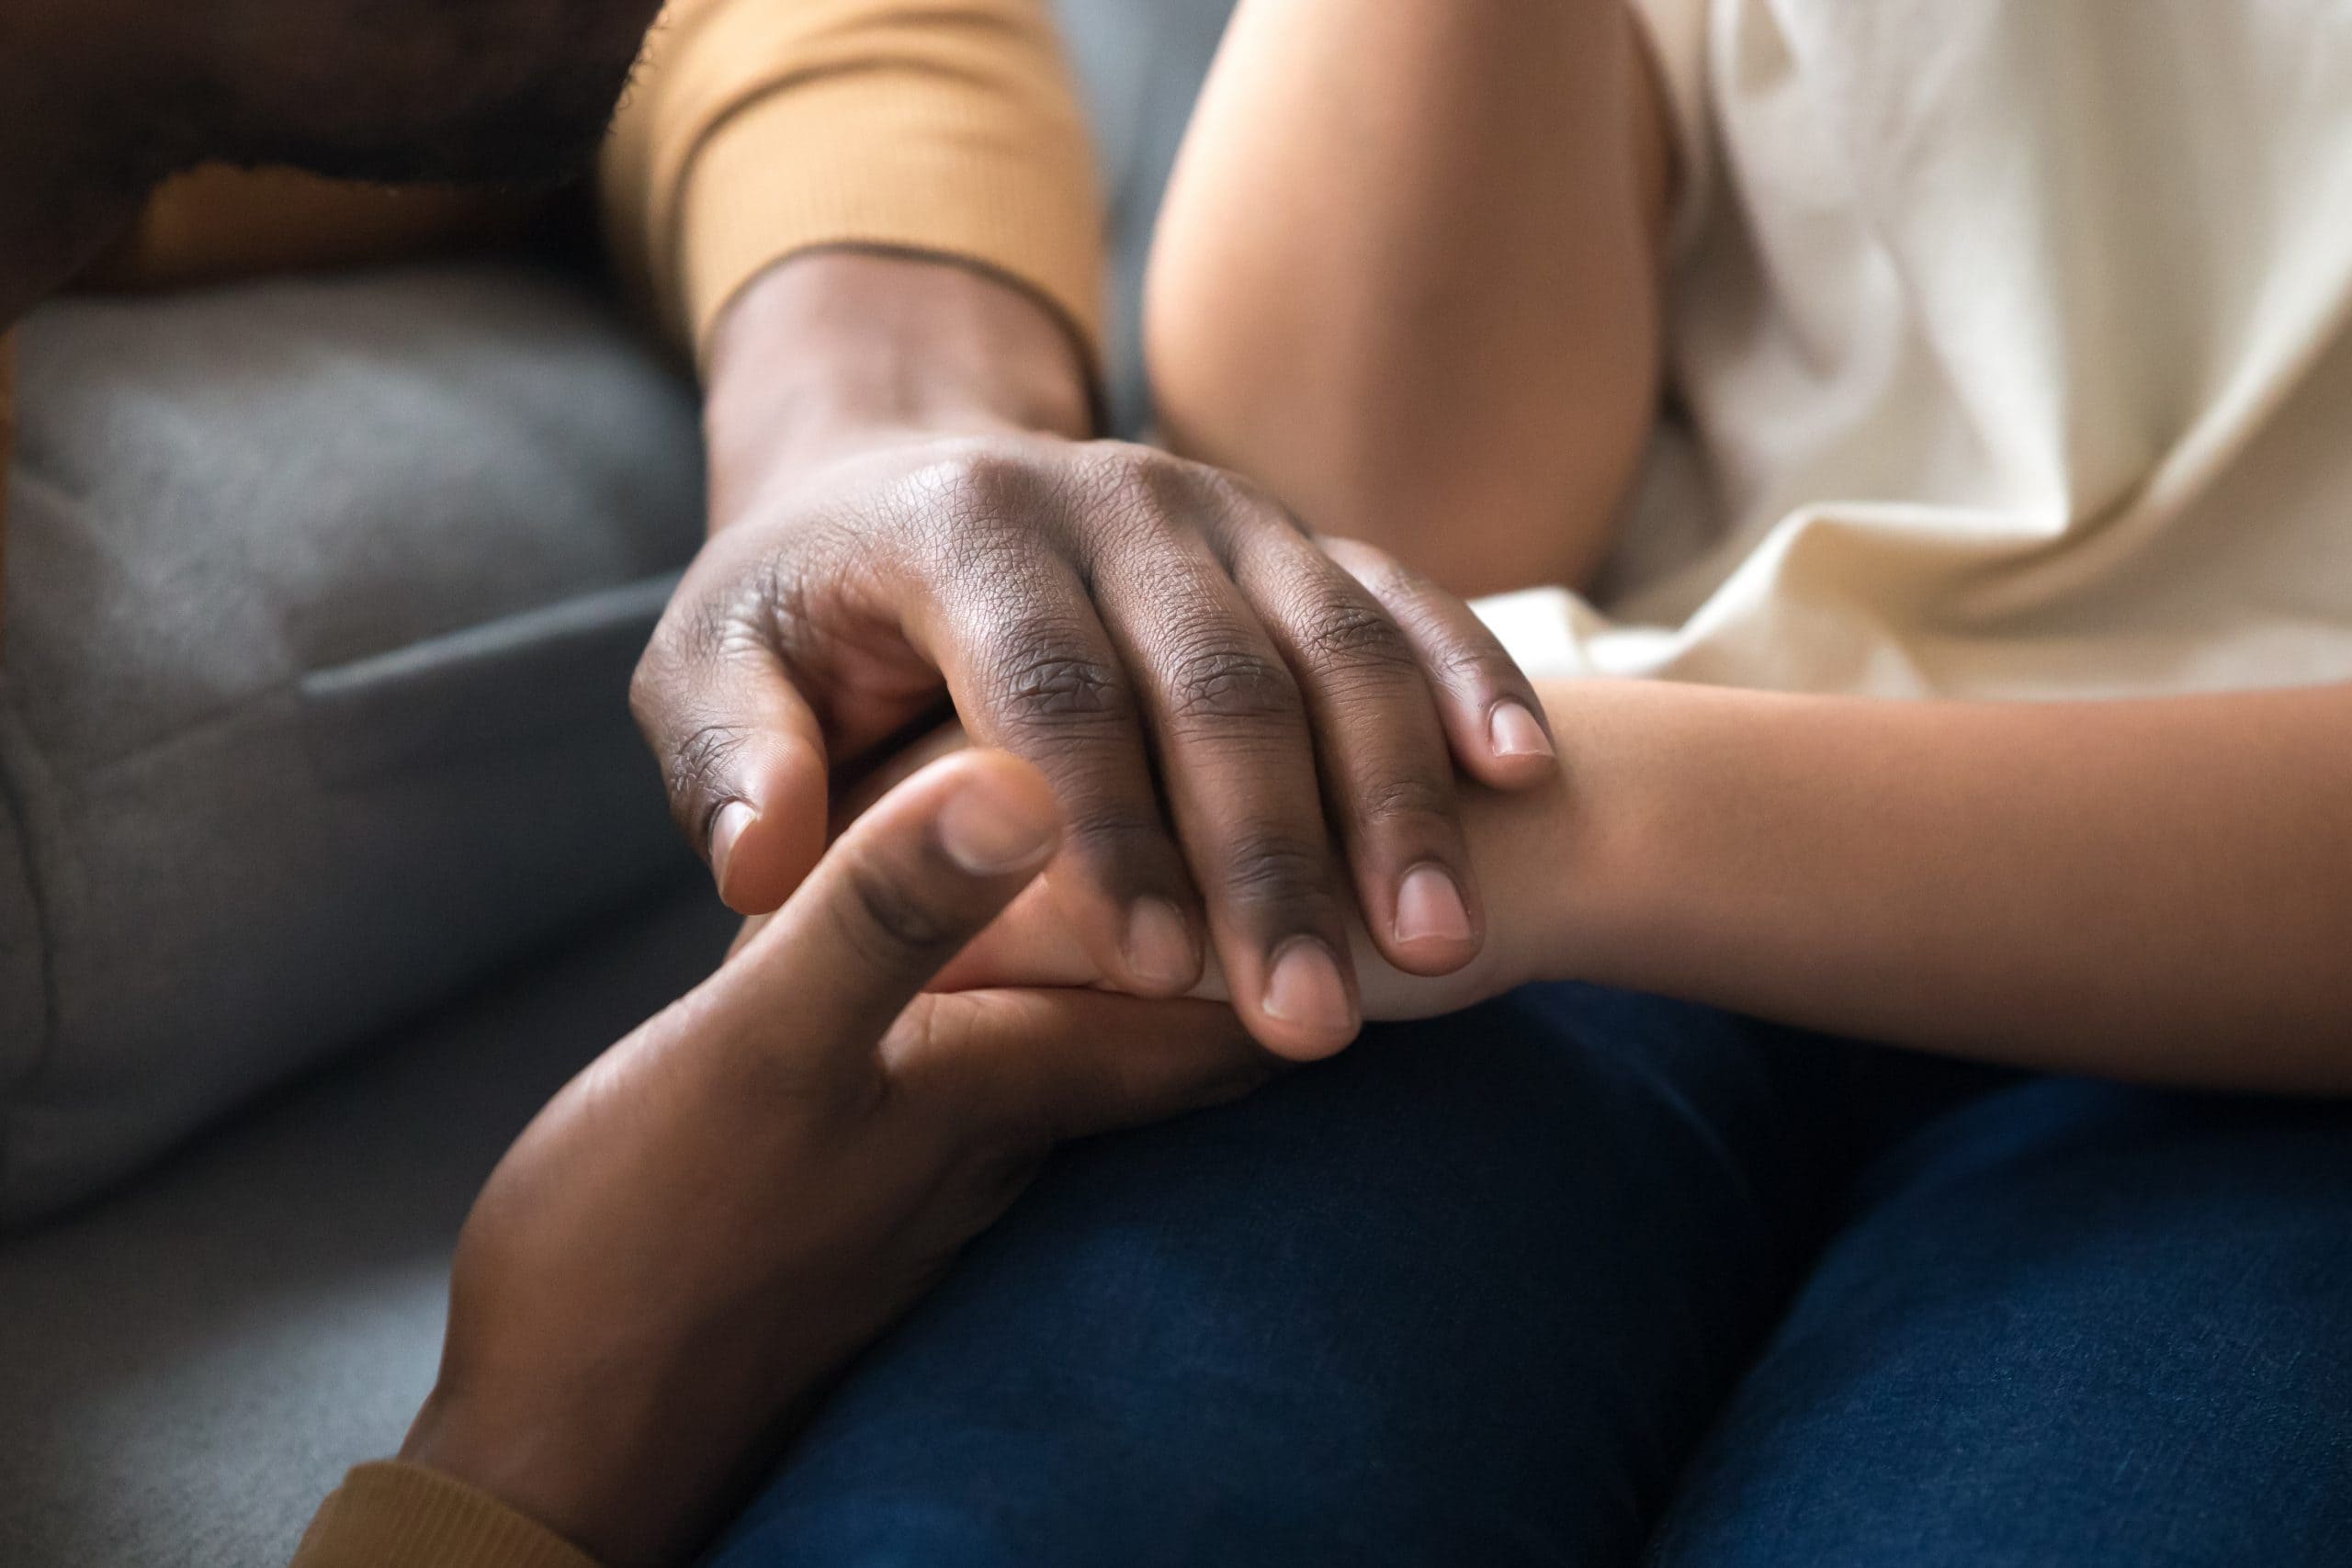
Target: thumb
[912,882]
[743,757]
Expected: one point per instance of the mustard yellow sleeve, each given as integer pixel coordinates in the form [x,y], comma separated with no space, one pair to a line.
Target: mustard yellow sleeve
[401,1516]
[761,127]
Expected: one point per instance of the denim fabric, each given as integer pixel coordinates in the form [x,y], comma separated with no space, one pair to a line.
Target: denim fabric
[2072,1323]
[1515,1287]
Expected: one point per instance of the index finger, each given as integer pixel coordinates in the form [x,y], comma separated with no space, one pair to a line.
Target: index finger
[743,757]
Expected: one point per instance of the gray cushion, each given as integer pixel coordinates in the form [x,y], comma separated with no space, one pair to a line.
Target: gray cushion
[186,1368]
[322,602]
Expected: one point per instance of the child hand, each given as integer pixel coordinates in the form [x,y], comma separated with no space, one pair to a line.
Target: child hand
[1035,943]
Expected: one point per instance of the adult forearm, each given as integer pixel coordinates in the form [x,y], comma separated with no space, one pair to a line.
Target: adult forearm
[2157,889]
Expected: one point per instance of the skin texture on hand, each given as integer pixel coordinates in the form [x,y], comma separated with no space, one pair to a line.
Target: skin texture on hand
[1519,842]
[705,1226]
[1251,729]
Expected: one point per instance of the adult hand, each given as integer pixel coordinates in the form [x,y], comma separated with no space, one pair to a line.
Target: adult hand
[709,1222]
[902,512]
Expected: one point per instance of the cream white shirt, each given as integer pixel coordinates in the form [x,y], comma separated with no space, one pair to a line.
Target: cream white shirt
[2009,345]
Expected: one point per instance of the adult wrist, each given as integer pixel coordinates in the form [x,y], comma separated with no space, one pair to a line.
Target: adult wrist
[833,352]
[495,1459]
[542,1468]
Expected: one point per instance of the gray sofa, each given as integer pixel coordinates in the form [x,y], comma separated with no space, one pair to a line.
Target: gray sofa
[280,552]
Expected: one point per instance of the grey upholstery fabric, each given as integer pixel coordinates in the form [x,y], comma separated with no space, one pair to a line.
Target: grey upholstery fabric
[322,605]
[188,1368]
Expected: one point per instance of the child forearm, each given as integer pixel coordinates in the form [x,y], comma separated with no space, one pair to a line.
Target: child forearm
[1407,276]
[2158,889]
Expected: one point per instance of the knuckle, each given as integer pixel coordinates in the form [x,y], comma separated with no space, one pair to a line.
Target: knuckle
[687,634]
[1271,868]
[1133,472]
[889,924]
[701,644]
[1223,684]
[781,604]
[1238,514]
[695,767]
[1402,799]
[1389,578]
[1128,845]
[1119,830]
[1357,636]
[1465,666]
[1243,499]
[987,482]
[1049,676]
[650,686]
[1132,496]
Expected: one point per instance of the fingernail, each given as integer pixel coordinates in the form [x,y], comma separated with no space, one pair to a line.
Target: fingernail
[733,818]
[988,836]
[1159,945]
[1515,733]
[1306,988]
[1429,907]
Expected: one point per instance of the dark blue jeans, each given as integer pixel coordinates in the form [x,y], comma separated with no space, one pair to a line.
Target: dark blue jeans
[1580,1277]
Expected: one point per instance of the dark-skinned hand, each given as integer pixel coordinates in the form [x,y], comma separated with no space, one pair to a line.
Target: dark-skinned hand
[701,1229]
[1252,731]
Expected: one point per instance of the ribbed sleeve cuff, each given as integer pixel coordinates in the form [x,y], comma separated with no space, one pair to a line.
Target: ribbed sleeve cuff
[892,160]
[759,130]
[390,1515]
